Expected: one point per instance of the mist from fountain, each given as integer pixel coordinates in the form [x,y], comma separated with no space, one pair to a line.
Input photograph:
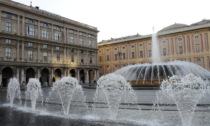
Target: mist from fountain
[113,89]
[13,90]
[68,92]
[33,92]
[185,92]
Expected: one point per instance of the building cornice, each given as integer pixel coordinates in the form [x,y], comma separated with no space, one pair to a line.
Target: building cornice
[44,13]
[161,33]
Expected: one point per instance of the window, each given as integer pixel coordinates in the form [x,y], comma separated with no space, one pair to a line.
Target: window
[141,54]
[57,28]
[81,41]
[81,51]
[90,42]
[164,51]
[44,34]
[71,31]
[57,36]
[58,57]
[132,46]
[91,60]
[44,46]
[8,27]
[72,39]
[196,37]
[82,59]
[140,44]
[123,47]
[31,31]
[180,49]
[197,48]
[72,58]
[150,53]
[30,44]
[57,48]
[31,21]
[45,56]
[8,15]
[123,55]
[8,41]
[30,54]
[115,57]
[8,52]
[100,58]
[107,58]
[44,25]
[72,50]
[132,55]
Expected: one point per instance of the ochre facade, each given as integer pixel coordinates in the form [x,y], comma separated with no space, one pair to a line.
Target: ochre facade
[176,42]
[35,43]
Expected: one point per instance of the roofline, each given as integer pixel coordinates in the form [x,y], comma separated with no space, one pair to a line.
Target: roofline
[124,40]
[183,29]
[45,13]
[160,33]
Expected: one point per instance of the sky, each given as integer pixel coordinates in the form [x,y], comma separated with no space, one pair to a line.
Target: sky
[120,18]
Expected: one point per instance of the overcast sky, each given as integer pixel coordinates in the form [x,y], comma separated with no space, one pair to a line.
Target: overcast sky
[118,18]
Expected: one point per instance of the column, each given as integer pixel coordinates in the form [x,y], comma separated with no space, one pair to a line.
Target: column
[38,32]
[1,79]
[87,77]
[18,25]
[95,76]
[17,75]
[38,73]
[78,76]
[64,35]
[52,73]
[52,54]
[38,53]
[23,51]
[23,26]
[50,79]
[52,36]
[64,56]
[22,76]
[0,25]
[18,51]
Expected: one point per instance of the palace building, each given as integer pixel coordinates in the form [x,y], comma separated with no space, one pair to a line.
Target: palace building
[176,42]
[35,43]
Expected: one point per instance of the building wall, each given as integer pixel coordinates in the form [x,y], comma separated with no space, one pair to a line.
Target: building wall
[188,45]
[34,38]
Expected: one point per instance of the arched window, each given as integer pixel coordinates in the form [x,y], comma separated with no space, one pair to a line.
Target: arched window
[30,21]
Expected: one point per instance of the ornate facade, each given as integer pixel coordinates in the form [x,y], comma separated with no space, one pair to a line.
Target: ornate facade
[176,42]
[40,44]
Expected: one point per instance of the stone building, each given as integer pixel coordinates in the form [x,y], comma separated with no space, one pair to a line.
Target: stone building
[37,43]
[176,42]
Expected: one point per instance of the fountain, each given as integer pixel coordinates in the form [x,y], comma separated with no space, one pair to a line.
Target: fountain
[13,90]
[33,92]
[113,89]
[185,92]
[183,86]
[68,91]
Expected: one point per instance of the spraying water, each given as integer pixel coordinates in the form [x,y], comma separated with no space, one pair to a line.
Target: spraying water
[155,49]
[68,91]
[185,92]
[111,90]
[13,90]
[33,91]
